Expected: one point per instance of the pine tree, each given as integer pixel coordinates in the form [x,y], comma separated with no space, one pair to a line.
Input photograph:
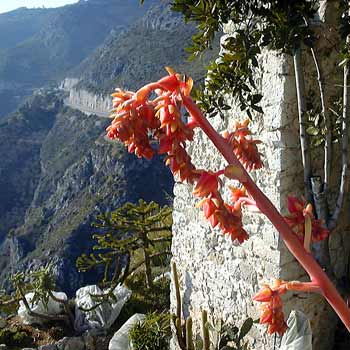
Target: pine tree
[132,236]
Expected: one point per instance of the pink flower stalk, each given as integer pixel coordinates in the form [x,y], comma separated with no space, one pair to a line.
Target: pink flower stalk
[138,117]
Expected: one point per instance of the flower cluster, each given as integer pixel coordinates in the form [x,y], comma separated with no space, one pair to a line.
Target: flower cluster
[133,119]
[298,211]
[137,118]
[243,146]
[272,313]
[154,111]
[227,217]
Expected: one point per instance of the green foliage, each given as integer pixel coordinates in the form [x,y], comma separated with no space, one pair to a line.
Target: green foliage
[344,31]
[219,336]
[316,124]
[145,299]
[228,337]
[14,337]
[23,283]
[279,25]
[139,232]
[42,284]
[152,334]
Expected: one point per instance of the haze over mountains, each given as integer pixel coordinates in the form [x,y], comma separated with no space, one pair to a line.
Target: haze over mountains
[39,46]
[58,171]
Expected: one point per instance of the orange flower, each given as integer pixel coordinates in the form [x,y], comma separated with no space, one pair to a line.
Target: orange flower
[209,207]
[136,118]
[227,217]
[180,163]
[272,307]
[132,122]
[243,147]
[207,184]
[237,193]
[296,220]
[176,83]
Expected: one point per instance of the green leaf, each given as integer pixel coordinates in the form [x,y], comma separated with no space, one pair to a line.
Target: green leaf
[258,109]
[256,98]
[311,130]
[246,327]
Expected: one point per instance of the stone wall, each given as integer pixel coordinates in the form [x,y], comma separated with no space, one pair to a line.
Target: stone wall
[222,277]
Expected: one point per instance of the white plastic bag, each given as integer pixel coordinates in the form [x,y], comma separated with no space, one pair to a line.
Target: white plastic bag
[104,315]
[164,275]
[299,335]
[120,340]
[53,308]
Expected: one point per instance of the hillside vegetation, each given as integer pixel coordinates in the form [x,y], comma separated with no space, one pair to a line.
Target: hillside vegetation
[60,172]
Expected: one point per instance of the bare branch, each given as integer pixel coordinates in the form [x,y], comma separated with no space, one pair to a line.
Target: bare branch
[344,152]
[65,305]
[39,315]
[304,137]
[328,124]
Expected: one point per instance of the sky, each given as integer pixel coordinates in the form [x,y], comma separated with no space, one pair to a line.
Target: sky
[8,5]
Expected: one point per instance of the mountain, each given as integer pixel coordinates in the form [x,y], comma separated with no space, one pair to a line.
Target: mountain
[16,27]
[69,174]
[21,136]
[60,171]
[21,24]
[40,46]
[139,53]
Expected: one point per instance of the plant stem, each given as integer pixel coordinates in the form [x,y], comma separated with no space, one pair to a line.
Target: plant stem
[65,305]
[328,125]
[304,137]
[307,261]
[205,331]
[306,287]
[321,249]
[344,151]
[39,315]
[148,271]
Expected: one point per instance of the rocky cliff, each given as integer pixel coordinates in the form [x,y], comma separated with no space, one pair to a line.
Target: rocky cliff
[75,174]
[68,173]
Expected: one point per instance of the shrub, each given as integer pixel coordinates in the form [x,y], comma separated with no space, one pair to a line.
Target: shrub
[14,337]
[152,334]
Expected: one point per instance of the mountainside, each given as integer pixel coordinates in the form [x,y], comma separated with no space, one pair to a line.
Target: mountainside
[71,174]
[56,41]
[18,25]
[21,135]
[139,53]
[60,171]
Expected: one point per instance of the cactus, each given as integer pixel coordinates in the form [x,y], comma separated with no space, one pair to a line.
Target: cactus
[177,291]
[182,328]
[189,334]
[205,331]
[184,331]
